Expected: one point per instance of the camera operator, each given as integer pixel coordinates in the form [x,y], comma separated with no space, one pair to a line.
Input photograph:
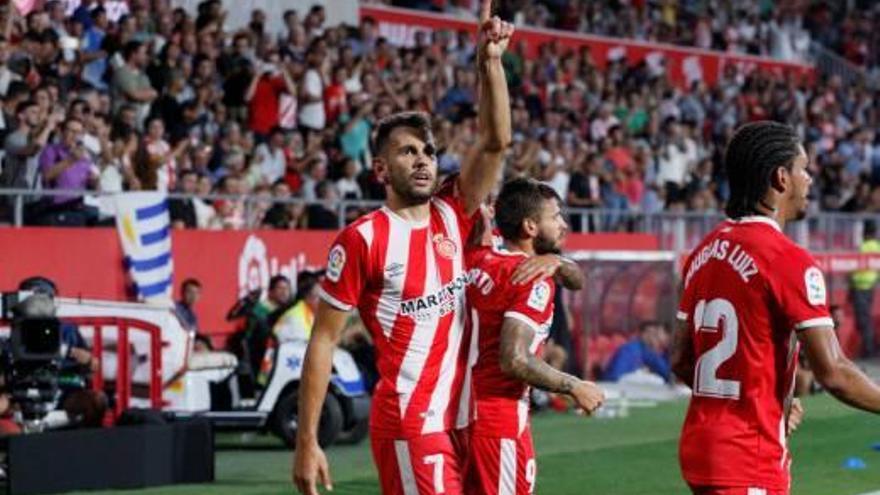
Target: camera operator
[85,407]
[260,316]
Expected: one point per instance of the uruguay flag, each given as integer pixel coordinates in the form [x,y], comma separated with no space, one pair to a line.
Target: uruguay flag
[144,228]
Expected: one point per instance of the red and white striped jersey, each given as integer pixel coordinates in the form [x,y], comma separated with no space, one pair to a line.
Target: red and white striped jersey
[502,403]
[408,282]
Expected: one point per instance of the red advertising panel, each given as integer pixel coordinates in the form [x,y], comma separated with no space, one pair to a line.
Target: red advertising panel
[684,65]
[88,263]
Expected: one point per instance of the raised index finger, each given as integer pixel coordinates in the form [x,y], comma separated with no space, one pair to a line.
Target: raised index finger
[485,10]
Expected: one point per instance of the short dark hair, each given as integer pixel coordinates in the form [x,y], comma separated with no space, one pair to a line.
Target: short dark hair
[131,48]
[39,283]
[183,173]
[518,200]
[72,120]
[24,105]
[754,153]
[277,279]
[415,120]
[190,282]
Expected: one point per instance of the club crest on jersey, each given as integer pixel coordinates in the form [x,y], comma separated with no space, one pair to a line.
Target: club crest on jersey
[335,263]
[540,296]
[445,246]
[815,282]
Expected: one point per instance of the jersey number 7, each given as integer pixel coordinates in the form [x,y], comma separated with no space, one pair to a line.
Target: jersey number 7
[718,315]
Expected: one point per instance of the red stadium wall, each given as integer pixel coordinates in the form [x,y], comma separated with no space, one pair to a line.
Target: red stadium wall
[88,263]
[682,63]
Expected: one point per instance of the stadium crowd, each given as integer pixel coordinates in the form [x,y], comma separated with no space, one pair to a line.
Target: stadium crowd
[141,96]
[782,30]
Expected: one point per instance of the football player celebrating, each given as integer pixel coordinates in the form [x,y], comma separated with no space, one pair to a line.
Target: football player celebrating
[751,298]
[403,268]
[510,323]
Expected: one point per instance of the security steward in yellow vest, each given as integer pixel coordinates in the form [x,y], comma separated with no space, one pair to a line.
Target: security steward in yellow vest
[862,283]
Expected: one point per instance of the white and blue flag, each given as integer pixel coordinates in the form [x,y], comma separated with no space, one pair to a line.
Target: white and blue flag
[144,227]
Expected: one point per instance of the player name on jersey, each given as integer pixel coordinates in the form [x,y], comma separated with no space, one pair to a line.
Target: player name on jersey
[740,260]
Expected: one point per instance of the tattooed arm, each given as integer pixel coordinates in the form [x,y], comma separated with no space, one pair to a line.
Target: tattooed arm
[517,362]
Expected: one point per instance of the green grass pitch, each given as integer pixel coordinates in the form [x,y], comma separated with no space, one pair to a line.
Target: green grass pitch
[628,456]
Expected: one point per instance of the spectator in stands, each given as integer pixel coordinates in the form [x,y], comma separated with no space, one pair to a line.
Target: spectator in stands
[279,215]
[646,352]
[67,165]
[22,146]
[269,81]
[131,86]
[862,285]
[323,215]
[270,156]
[677,158]
[585,191]
[183,210]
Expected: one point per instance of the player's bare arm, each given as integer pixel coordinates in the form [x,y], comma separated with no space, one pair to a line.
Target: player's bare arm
[516,361]
[310,464]
[683,354]
[840,376]
[481,168]
[562,269]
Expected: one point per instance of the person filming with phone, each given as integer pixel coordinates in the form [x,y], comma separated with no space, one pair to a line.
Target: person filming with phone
[67,165]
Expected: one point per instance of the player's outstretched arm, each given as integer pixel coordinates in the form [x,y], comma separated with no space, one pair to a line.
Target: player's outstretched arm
[481,168]
[840,376]
[683,354]
[310,465]
[517,362]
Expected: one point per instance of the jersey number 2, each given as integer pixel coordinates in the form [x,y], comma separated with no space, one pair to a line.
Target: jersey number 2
[718,315]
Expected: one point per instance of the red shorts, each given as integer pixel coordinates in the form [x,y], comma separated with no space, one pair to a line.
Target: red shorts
[426,465]
[741,490]
[501,466]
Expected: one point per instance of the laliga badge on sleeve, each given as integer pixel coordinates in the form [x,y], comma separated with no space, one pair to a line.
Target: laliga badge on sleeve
[540,296]
[335,263]
[815,282]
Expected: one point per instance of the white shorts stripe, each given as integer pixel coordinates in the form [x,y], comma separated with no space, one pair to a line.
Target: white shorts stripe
[407,476]
[507,468]
[757,491]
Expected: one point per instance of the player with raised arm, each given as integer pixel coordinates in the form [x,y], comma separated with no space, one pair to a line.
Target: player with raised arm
[511,322]
[751,298]
[403,268]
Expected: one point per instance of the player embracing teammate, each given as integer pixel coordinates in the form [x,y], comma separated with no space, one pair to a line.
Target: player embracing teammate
[510,322]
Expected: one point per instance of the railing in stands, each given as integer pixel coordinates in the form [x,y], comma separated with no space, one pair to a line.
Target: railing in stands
[676,231]
[829,63]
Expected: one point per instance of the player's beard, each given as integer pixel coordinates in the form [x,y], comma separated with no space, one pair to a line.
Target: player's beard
[545,244]
[402,186]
